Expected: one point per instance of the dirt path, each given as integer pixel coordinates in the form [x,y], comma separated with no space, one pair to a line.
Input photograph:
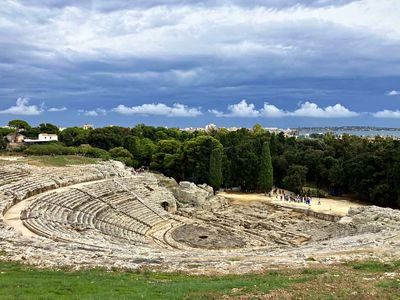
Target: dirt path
[328,206]
[12,158]
[13,215]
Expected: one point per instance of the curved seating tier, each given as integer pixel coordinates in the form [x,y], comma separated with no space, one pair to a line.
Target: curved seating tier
[20,181]
[8,176]
[25,181]
[113,207]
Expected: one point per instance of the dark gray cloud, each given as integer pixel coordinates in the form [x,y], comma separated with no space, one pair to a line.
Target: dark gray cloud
[196,53]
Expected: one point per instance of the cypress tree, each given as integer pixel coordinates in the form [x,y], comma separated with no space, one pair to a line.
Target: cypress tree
[215,171]
[265,177]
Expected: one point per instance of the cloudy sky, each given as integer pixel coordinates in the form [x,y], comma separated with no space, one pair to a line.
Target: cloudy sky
[283,63]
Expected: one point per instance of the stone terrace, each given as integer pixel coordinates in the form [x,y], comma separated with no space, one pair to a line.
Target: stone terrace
[107,215]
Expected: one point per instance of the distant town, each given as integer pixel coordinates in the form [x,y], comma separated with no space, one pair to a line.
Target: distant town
[309,131]
[299,132]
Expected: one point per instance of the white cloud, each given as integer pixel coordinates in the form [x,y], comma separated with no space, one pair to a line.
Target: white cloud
[271,111]
[22,107]
[393,93]
[307,109]
[390,114]
[93,113]
[312,110]
[57,109]
[241,110]
[216,112]
[159,109]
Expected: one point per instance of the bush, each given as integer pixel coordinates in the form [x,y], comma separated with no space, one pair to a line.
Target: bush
[93,152]
[121,154]
[314,192]
[50,149]
[296,178]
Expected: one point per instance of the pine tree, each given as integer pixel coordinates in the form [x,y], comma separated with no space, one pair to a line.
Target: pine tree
[215,171]
[265,178]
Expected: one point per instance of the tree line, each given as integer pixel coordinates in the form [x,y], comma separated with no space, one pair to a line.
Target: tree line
[250,159]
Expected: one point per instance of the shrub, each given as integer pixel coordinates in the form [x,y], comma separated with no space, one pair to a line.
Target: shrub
[314,192]
[121,154]
[94,152]
[50,149]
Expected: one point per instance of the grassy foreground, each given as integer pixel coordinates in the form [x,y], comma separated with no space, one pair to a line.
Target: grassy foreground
[369,280]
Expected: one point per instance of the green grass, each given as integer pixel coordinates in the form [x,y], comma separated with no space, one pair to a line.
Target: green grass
[313,271]
[390,284]
[376,266]
[61,160]
[23,282]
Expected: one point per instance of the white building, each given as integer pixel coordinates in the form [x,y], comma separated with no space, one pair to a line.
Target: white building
[43,137]
[88,126]
[47,137]
[210,127]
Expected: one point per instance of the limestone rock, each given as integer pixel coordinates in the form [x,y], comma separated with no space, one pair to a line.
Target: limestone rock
[189,194]
[345,220]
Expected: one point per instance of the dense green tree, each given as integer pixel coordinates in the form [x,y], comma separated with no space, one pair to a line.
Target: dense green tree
[380,194]
[215,177]
[5,131]
[121,154]
[336,177]
[265,177]
[280,167]
[368,169]
[167,158]
[32,132]
[296,178]
[48,128]
[132,144]
[258,129]
[226,171]
[146,150]
[242,150]
[196,154]
[19,125]
[105,138]
[74,136]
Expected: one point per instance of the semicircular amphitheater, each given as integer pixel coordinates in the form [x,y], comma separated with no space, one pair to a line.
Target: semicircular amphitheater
[108,215]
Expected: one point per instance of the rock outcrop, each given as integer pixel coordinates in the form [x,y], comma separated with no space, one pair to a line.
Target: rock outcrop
[201,196]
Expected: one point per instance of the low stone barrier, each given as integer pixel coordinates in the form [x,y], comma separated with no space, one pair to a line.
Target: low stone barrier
[312,213]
